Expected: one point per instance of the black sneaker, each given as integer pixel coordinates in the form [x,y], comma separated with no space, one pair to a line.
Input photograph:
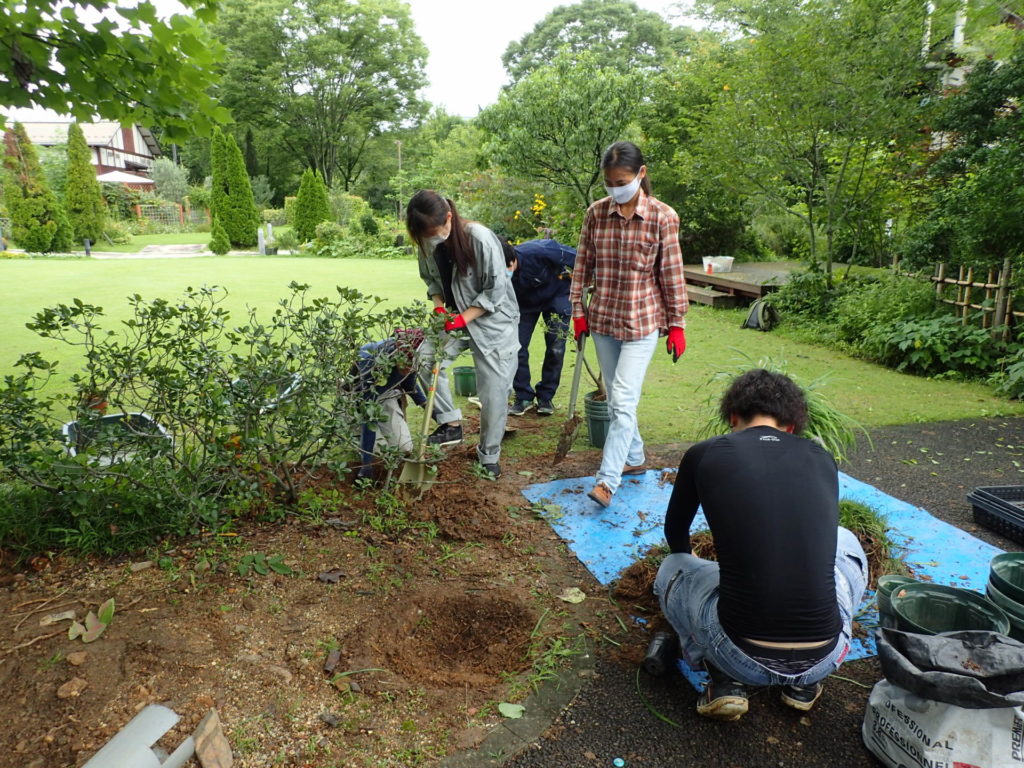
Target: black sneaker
[722,698]
[494,470]
[446,434]
[801,697]
[519,407]
[545,407]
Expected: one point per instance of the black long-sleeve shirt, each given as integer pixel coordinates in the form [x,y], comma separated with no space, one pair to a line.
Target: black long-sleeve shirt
[772,502]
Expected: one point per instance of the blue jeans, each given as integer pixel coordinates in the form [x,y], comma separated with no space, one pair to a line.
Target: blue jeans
[687,588]
[557,325]
[623,366]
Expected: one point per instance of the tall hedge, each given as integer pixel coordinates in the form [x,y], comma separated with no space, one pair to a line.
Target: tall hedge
[239,215]
[38,222]
[311,206]
[83,198]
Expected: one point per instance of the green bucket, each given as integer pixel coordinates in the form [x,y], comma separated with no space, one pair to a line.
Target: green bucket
[599,418]
[465,380]
[1006,572]
[886,585]
[1014,611]
[930,609]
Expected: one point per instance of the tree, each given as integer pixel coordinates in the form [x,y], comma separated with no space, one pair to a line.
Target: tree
[317,79]
[218,173]
[262,192]
[972,212]
[617,32]
[252,165]
[813,93]
[129,65]
[170,181]
[238,211]
[38,223]
[556,122]
[311,205]
[83,198]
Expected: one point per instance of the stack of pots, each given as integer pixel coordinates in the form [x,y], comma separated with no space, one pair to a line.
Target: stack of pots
[1006,589]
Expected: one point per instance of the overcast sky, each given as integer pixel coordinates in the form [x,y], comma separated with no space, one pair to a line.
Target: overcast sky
[465,39]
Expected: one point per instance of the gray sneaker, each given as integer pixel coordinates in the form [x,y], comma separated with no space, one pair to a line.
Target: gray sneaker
[545,407]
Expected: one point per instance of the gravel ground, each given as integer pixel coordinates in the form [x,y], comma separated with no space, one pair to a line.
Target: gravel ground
[930,465]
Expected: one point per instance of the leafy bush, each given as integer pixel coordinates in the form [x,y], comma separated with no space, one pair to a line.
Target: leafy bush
[346,208]
[871,303]
[289,210]
[121,201]
[355,245]
[116,232]
[369,224]
[252,406]
[262,192]
[806,297]
[783,234]
[1009,380]
[287,240]
[83,197]
[328,232]
[198,197]
[936,346]
[311,205]
[275,216]
[219,242]
[170,181]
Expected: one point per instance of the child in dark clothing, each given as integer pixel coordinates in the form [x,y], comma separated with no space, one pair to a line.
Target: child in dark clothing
[386,372]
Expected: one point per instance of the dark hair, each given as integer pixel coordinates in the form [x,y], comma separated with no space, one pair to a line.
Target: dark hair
[427,210]
[626,154]
[765,393]
[509,251]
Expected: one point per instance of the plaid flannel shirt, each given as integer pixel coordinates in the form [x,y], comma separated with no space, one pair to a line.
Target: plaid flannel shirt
[636,268]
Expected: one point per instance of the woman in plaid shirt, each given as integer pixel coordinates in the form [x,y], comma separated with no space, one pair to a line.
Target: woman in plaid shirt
[629,257]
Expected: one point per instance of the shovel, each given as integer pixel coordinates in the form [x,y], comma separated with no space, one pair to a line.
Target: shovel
[417,474]
[572,425]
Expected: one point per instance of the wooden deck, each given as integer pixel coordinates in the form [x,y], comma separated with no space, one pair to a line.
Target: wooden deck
[749,280]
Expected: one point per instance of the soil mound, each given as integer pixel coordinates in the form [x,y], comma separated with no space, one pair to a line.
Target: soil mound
[454,639]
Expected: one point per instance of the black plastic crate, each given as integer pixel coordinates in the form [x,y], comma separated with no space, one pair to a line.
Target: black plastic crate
[1000,509]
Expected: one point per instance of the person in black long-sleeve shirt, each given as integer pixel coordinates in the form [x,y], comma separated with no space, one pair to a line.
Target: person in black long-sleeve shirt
[777,607]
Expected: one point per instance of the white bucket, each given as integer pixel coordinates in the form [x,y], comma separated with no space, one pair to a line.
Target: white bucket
[718,263]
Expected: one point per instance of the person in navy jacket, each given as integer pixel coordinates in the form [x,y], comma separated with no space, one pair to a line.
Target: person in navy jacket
[541,276]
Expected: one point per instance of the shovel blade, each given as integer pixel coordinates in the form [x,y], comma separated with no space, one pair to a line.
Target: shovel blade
[416,477]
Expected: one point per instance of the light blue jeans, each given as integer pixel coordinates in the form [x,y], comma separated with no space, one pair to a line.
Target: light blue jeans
[687,588]
[623,367]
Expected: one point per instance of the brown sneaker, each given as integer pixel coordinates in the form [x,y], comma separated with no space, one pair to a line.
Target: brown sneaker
[639,469]
[602,494]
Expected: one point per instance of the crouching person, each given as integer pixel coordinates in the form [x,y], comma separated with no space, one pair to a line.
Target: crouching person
[777,607]
[386,372]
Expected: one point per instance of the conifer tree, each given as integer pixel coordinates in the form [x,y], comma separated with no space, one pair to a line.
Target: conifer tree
[311,205]
[219,242]
[83,198]
[238,214]
[218,173]
[38,222]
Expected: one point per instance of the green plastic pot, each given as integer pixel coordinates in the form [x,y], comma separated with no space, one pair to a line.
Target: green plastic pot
[930,609]
[1006,572]
[883,593]
[599,418]
[1014,611]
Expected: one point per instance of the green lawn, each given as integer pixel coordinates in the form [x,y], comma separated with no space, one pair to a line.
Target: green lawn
[673,394]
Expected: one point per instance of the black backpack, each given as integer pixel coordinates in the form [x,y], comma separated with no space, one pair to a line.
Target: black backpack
[762,316]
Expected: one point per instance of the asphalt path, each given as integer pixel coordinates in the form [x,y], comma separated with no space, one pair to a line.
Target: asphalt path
[620,715]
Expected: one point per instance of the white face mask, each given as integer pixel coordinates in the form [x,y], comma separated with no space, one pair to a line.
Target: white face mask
[623,195]
[436,240]
[509,272]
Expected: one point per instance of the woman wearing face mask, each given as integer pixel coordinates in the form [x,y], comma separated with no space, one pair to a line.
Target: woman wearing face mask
[629,256]
[463,265]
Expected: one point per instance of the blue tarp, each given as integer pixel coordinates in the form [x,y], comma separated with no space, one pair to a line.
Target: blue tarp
[609,540]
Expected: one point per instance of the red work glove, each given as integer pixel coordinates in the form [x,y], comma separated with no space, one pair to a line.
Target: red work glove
[441,310]
[454,323]
[676,343]
[579,327]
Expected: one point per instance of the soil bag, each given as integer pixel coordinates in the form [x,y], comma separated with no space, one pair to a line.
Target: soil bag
[947,700]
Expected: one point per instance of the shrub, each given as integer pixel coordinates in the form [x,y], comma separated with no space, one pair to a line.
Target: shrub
[275,216]
[121,200]
[38,221]
[882,302]
[1009,380]
[286,240]
[170,181]
[936,346]
[215,383]
[369,225]
[346,208]
[116,232]
[198,197]
[262,192]
[237,211]
[806,297]
[328,232]
[289,210]
[219,242]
